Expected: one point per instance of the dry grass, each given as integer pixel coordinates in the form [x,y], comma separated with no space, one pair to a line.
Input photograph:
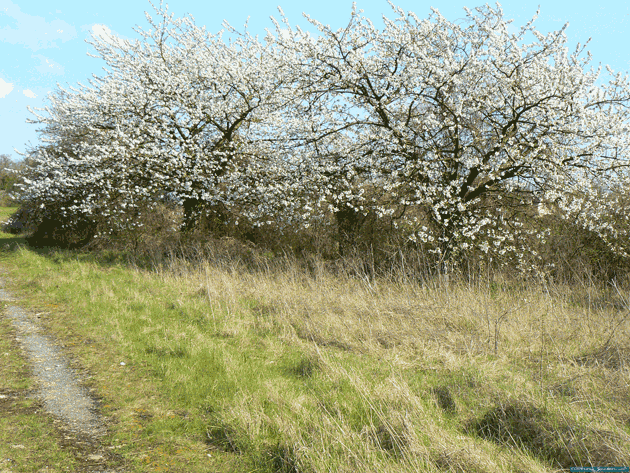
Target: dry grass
[537,359]
[274,365]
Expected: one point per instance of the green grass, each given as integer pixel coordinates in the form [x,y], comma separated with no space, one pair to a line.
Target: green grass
[278,371]
[28,439]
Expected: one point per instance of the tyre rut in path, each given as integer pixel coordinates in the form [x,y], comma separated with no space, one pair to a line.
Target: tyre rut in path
[58,387]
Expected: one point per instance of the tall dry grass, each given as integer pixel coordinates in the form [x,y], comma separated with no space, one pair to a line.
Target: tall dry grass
[539,367]
[302,362]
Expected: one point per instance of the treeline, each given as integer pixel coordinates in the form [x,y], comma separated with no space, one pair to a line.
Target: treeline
[10,176]
[432,138]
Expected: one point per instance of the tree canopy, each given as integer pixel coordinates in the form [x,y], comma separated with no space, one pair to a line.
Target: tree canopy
[449,129]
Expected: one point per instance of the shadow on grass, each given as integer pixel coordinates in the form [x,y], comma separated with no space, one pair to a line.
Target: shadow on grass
[11,243]
[226,252]
[105,258]
[516,424]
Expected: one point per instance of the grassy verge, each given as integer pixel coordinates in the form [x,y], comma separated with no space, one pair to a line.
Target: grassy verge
[29,440]
[208,367]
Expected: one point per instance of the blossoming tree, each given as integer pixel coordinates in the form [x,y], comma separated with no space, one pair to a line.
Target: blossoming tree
[181,113]
[450,129]
[463,124]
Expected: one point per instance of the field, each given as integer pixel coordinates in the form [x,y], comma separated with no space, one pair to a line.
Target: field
[283,369]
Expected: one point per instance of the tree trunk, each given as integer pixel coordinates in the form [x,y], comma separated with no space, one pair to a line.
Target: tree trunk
[192,214]
[348,225]
[211,219]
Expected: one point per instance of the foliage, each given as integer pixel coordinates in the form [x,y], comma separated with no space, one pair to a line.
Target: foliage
[9,178]
[466,123]
[447,131]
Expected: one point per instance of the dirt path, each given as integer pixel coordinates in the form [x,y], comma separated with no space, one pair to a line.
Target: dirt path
[59,390]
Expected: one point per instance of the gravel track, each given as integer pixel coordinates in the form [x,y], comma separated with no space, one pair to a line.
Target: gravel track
[58,384]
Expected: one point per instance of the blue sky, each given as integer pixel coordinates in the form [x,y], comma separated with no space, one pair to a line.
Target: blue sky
[42,42]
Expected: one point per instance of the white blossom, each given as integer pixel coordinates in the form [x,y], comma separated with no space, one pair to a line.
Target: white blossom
[450,129]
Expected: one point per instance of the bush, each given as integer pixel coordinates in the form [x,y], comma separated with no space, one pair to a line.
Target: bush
[48,226]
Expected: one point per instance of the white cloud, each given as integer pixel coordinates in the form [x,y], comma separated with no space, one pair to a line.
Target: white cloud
[5,88]
[286,34]
[104,33]
[29,93]
[34,31]
[48,66]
